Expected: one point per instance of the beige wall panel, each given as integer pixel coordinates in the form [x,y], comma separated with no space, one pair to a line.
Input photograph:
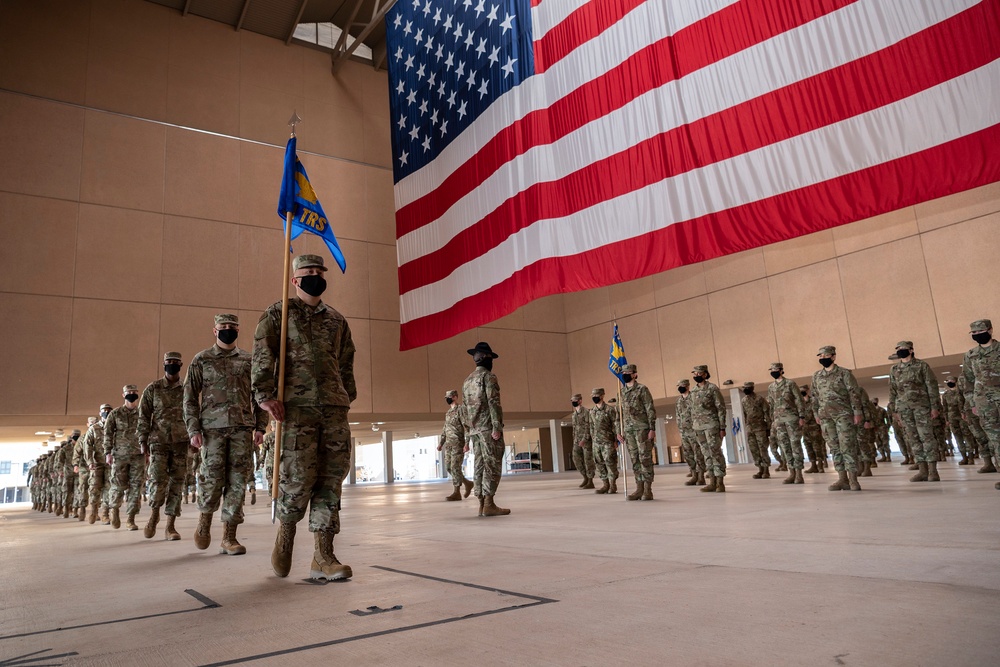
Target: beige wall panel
[449,365]
[266,62]
[201,262]
[361,335]
[188,330]
[123,162]
[736,269]
[641,339]
[347,292]
[39,234]
[545,314]
[744,333]
[342,90]
[334,131]
[125,83]
[383,282]
[114,343]
[587,308]
[375,89]
[679,284]
[958,207]
[340,186]
[548,372]
[198,97]
[263,118]
[202,176]
[964,271]
[808,309]
[47,141]
[118,254]
[511,368]
[633,297]
[399,379]
[137,29]
[51,68]
[35,353]
[381,206]
[199,43]
[588,354]
[801,251]
[874,231]
[260,180]
[888,299]
[378,140]
[261,267]
[685,341]
[513,320]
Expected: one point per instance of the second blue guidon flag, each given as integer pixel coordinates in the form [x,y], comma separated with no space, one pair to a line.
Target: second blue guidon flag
[297,195]
[617,360]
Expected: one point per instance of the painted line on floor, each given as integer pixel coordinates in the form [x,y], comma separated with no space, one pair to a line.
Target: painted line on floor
[27,659]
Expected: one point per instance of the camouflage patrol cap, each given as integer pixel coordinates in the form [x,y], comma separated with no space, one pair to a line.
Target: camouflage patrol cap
[597,391]
[700,369]
[630,368]
[576,397]
[105,406]
[451,394]
[172,355]
[308,262]
[76,431]
[226,318]
[777,366]
[129,387]
[748,385]
[908,344]
[827,349]
[980,325]
[91,421]
[684,383]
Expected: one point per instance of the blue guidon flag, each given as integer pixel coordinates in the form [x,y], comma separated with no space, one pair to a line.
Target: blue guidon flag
[617,360]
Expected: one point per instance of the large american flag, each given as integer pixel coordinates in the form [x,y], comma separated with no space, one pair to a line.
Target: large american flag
[545,146]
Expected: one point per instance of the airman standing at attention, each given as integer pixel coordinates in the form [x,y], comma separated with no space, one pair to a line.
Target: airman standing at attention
[976,433]
[954,403]
[788,415]
[453,444]
[866,435]
[481,394]
[121,446]
[757,420]
[840,412]
[812,434]
[604,427]
[913,389]
[708,418]
[640,436]
[95,459]
[69,476]
[81,497]
[583,446]
[882,432]
[981,370]
[689,441]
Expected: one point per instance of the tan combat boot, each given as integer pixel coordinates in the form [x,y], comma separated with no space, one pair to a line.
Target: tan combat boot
[852,479]
[482,503]
[647,491]
[694,479]
[455,495]
[842,483]
[187,497]
[92,514]
[603,489]
[720,484]
[130,524]
[583,484]
[798,477]
[468,488]
[932,472]
[324,563]
[203,533]
[812,468]
[690,473]
[253,496]
[791,477]
[635,495]
[767,472]
[154,518]
[230,546]
[81,514]
[589,484]
[710,487]
[105,518]
[281,557]
[988,467]
[170,533]
[491,509]
[116,520]
[922,475]
[614,486]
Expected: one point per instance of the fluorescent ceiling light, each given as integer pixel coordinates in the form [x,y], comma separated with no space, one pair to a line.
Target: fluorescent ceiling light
[880,377]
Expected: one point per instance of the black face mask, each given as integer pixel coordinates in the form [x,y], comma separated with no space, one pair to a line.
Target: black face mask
[776,374]
[575,404]
[626,378]
[171,369]
[75,438]
[595,399]
[449,401]
[982,338]
[131,398]
[682,390]
[826,362]
[699,378]
[228,336]
[903,354]
[747,391]
[804,394]
[950,384]
[486,362]
[312,285]
[104,414]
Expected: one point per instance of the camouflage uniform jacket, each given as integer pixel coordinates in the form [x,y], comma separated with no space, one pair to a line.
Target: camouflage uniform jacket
[319,358]
[981,370]
[161,413]
[637,402]
[912,384]
[954,405]
[756,412]
[867,407]
[708,407]
[121,438]
[78,453]
[683,412]
[834,391]
[786,401]
[604,424]
[481,395]
[217,392]
[581,426]
[965,389]
[881,419]
[810,407]
[453,433]
[266,456]
[62,459]
[93,446]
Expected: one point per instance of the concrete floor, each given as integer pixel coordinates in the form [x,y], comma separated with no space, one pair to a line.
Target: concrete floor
[766,574]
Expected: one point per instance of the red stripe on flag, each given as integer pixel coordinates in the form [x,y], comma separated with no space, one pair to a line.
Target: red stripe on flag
[579,27]
[904,69]
[965,163]
[718,36]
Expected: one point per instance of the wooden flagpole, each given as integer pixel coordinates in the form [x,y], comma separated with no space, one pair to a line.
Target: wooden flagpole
[623,446]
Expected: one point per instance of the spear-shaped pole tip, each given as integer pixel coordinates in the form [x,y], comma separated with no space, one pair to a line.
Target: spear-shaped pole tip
[293,121]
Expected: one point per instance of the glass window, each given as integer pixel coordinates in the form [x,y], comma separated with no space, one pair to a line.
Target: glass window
[4,467]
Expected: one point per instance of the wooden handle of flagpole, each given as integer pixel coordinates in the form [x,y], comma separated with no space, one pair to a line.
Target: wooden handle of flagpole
[624,447]
[281,353]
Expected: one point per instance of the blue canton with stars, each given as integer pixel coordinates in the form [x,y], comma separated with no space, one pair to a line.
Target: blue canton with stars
[448,61]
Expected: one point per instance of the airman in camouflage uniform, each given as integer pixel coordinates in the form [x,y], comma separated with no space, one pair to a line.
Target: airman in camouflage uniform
[639,436]
[453,444]
[981,369]
[980,442]
[708,418]
[224,422]
[882,432]
[900,434]
[81,497]
[315,453]
[95,459]
[757,424]
[689,441]
[954,403]
[267,454]
[481,393]
[583,446]
[866,435]
[191,479]
[68,489]
[812,434]
[605,425]
[840,412]
[164,439]
[788,415]
[121,446]
[913,389]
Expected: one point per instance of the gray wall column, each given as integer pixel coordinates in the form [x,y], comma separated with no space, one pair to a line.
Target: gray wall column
[556,440]
[661,441]
[390,475]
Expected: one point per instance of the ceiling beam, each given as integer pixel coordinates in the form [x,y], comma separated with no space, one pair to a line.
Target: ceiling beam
[295,23]
[243,15]
[187,8]
[377,16]
[347,27]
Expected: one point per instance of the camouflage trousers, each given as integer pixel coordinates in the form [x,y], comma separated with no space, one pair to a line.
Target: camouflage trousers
[841,437]
[67,489]
[489,463]
[583,459]
[710,441]
[757,444]
[269,467]
[900,436]
[957,428]
[606,461]
[100,486]
[882,441]
[789,437]
[453,459]
[194,462]
[920,436]
[126,475]
[866,444]
[640,452]
[82,493]
[979,437]
[222,476]
[812,441]
[988,407]
[315,460]
[776,451]
[167,470]
[692,450]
